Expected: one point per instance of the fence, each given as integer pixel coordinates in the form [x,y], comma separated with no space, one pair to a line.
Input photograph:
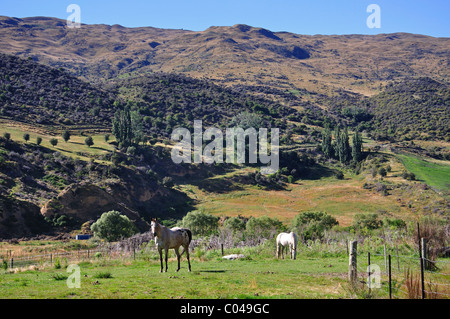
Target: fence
[412,277]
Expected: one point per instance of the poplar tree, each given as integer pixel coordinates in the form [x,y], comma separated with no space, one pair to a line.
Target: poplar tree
[357,147]
[327,148]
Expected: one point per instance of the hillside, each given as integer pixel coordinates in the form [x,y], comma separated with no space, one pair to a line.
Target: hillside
[393,88]
[240,54]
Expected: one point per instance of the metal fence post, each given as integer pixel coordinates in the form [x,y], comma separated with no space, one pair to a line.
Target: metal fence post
[369,278]
[390,279]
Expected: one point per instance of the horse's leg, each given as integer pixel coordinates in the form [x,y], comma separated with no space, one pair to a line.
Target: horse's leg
[166,250]
[160,258]
[186,248]
[178,257]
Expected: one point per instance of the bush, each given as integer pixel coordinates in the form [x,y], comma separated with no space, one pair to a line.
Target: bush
[312,225]
[235,224]
[54,141]
[200,223]
[394,222]
[113,226]
[167,182]
[339,175]
[89,141]
[367,221]
[264,227]
[26,137]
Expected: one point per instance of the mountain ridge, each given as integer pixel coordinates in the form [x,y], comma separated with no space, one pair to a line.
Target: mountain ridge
[230,54]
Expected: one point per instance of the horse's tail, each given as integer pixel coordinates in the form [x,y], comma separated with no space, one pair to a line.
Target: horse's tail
[188,231]
[294,244]
[189,234]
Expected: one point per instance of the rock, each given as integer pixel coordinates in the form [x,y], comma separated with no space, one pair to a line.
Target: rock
[233,256]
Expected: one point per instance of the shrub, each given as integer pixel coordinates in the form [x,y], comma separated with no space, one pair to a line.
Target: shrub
[7,136]
[38,140]
[26,137]
[367,221]
[66,136]
[200,223]
[264,227]
[113,226]
[89,141]
[103,275]
[235,224]
[167,182]
[54,141]
[394,222]
[312,225]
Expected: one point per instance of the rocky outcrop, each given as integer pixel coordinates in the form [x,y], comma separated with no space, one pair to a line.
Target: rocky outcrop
[20,219]
[84,202]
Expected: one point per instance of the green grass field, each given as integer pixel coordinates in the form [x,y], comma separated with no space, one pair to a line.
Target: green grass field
[434,174]
[253,277]
[75,147]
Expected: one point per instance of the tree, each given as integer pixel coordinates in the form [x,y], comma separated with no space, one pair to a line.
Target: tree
[367,221]
[54,141]
[7,136]
[137,127]
[313,224]
[113,226]
[357,147]
[26,137]
[89,141]
[263,226]
[342,146]
[327,148]
[235,224]
[38,140]
[106,138]
[200,223]
[66,136]
[122,127]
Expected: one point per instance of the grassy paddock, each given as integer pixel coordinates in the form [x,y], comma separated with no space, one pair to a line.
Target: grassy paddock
[212,277]
[434,174]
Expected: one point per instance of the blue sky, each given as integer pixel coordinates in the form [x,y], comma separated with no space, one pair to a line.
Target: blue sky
[298,16]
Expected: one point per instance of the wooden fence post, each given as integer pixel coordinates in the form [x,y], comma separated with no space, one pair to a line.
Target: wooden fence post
[421,262]
[426,263]
[352,271]
[385,260]
[221,248]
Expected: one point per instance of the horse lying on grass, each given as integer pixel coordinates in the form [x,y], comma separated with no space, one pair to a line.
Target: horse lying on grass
[173,238]
[288,241]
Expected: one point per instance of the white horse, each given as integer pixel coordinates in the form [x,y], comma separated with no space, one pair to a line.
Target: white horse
[288,241]
[173,238]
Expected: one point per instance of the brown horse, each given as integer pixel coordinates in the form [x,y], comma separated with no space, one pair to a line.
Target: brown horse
[173,238]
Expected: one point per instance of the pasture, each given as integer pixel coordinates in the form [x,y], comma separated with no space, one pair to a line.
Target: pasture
[256,276]
[437,175]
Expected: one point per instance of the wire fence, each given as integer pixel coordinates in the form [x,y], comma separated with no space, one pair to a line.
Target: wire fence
[411,277]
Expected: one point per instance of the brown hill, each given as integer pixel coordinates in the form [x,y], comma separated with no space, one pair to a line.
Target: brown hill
[239,54]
